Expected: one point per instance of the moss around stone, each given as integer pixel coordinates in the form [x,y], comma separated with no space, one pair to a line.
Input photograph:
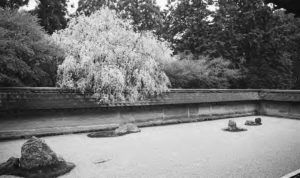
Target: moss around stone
[37,160]
[12,168]
[121,130]
[9,166]
[236,130]
[109,133]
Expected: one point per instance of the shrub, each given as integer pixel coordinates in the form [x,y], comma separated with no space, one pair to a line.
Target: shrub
[106,57]
[201,73]
[27,55]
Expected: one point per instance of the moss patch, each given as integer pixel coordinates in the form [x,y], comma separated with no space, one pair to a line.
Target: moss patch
[104,134]
[235,130]
[46,172]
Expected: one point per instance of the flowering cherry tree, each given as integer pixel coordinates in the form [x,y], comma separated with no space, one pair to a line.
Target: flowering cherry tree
[106,57]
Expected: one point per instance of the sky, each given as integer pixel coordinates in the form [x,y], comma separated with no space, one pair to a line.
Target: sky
[33,3]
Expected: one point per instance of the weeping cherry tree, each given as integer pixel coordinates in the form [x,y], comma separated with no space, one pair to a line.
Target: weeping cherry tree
[107,58]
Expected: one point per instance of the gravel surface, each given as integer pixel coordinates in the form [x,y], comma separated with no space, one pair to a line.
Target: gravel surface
[200,149]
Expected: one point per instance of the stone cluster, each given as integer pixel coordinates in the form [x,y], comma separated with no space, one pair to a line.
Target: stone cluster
[257,121]
[232,127]
[37,160]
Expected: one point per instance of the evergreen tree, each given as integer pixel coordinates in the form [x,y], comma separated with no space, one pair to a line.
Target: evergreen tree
[89,6]
[249,33]
[187,25]
[52,14]
[252,36]
[145,14]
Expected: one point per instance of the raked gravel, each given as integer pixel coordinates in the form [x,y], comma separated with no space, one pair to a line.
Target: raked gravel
[200,150]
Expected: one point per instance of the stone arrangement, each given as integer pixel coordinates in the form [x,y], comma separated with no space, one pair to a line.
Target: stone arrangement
[37,160]
[121,130]
[257,121]
[232,127]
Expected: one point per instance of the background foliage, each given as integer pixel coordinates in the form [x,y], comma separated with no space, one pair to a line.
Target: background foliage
[254,37]
[145,14]
[257,40]
[201,73]
[27,55]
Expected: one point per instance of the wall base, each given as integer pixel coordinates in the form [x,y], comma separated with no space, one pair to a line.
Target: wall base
[56,122]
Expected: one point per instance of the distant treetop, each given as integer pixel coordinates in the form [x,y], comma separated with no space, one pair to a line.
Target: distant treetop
[145,14]
[13,3]
[292,6]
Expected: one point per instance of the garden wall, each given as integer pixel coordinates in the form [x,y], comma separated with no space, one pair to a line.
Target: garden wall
[280,103]
[35,98]
[47,111]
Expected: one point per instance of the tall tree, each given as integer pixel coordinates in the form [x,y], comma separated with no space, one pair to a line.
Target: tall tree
[187,25]
[291,31]
[251,35]
[14,4]
[89,6]
[52,14]
[145,14]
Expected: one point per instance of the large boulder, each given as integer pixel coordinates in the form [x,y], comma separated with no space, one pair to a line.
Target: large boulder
[37,160]
[126,128]
[36,153]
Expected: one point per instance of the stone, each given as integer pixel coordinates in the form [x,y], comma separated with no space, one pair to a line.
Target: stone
[52,171]
[9,165]
[110,133]
[36,153]
[249,122]
[126,128]
[121,130]
[232,125]
[258,120]
[37,160]
[253,123]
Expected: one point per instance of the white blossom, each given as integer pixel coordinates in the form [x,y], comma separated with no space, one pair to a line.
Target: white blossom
[106,57]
